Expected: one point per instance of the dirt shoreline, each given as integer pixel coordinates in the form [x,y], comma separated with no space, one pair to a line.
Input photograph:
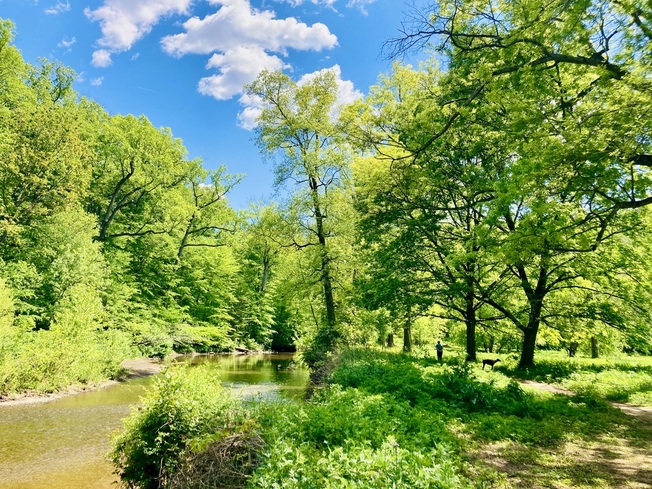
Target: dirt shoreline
[134,368]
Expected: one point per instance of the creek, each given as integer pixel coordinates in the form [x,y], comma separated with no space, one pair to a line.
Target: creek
[63,443]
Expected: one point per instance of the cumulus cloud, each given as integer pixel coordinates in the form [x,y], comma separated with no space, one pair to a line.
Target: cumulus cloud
[346,93]
[236,23]
[244,41]
[253,106]
[101,58]
[124,22]
[237,67]
[240,40]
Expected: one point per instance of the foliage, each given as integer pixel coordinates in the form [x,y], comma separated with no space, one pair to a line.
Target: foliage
[184,404]
[502,201]
[619,378]
[383,420]
[298,125]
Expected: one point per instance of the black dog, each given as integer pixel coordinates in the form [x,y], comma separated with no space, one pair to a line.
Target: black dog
[490,362]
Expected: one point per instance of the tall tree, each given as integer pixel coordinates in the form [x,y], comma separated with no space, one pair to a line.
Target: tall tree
[298,125]
[427,208]
[211,216]
[135,166]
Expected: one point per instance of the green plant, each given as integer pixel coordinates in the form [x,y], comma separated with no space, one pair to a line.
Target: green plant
[184,404]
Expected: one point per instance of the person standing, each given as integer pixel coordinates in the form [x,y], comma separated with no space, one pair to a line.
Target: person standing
[440,350]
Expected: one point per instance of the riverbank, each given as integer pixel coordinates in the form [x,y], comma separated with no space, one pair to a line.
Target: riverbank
[133,368]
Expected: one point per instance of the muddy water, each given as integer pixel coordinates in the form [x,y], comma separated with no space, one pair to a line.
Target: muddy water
[63,444]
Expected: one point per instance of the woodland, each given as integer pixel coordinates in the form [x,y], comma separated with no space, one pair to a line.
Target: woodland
[494,197]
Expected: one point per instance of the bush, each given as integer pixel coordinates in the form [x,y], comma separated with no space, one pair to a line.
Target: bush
[356,465]
[185,403]
[226,463]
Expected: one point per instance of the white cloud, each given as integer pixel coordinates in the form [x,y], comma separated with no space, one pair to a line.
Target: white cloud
[237,24]
[96,82]
[124,22]
[101,58]
[252,109]
[243,40]
[58,8]
[67,43]
[237,67]
[360,4]
[296,3]
[346,93]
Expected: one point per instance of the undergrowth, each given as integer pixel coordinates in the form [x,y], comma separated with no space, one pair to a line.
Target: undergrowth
[382,420]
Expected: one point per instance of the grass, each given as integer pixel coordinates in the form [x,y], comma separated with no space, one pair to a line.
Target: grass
[621,378]
[507,436]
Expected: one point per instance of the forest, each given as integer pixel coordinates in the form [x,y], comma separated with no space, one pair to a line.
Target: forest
[495,198]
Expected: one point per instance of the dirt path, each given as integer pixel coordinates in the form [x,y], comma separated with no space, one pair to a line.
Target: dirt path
[621,458]
[134,368]
[640,411]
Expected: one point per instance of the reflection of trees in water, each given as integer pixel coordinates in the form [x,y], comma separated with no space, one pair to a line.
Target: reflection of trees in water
[280,369]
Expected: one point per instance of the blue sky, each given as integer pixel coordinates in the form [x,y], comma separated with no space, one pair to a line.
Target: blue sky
[182,63]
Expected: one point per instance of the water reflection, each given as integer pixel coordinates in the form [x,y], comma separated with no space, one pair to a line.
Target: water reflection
[268,374]
[63,444]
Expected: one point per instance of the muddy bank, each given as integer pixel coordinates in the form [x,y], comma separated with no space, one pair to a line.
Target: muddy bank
[133,368]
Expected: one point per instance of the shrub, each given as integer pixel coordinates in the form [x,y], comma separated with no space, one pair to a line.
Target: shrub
[226,463]
[356,465]
[184,404]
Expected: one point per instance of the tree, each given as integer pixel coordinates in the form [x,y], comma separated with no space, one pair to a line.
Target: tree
[425,211]
[211,216]
[136,170]
[298,124]
[571,88]
[45,159]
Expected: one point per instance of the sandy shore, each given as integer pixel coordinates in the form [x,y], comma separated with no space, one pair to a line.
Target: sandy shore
[134,368]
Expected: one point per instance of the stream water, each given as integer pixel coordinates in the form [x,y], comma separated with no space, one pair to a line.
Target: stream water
[62,444]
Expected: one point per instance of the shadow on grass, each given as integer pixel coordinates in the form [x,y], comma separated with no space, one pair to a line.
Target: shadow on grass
[578,441]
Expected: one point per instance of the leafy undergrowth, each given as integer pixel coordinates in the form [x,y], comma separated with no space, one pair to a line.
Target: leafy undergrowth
[621,379]
[388,420]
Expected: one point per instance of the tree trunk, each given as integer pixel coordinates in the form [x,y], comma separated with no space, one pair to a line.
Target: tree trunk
[407,328]
[329,336]
[572,349]
[263,282]
[186,235]
[470,328]
[529,344]
[407,337]
[594,347]
[390,340]
[535,300]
